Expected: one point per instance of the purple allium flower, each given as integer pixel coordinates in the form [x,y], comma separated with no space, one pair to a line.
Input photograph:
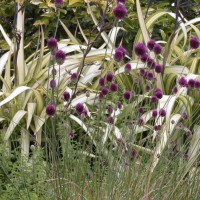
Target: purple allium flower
[71,134]
[158,93]
[133,153]
[140,121]
[154,113]
[174,90]
[66,96]
[104,91]
[127,95]
[154,99]
[120,11]
[79,108]
[194,42]
[84,113]
[109,110]
[185,116]
[110,120]
[52,44]
[142,72]
[140,49]
[118,56]
[59,3]
[60,57]
[149,75]
[162,112]
[136,80]
[50,109]
[121,1]
[151,63]
[128,68]
[109,76]
[154,79]
[141,110]
[188,132]
[52,83]
[74,77]
[197,85]
[119,105]
[158,68]
[150,44]
[157,49]
[147,88]
[54,71]
[101,96]
[114,87]
[144,58]
[101,81]
[182,81]
[122,49]
[191,83]
[157,127]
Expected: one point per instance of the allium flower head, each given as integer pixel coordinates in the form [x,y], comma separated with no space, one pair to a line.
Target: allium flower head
[119,105]
[158,93]
[154,113]
[150,44]
[128,68]
[109,76]
[141,110]
[174,90]
[140,121]
[158,68]
[191,83]
[101,81]
[120,11]
[101,96]
[140,49]
[149,75]
[182,82]
[127,95]
[109,110]
[188,132]
[133,153]
[147,88]
[50,109]
[162,112]
[110,120]
[66,96]
[151,63]
[144,58]
[74,77]
[142,72]
[60,57]
[121,1]
[114,87]
[104,91]
[120,53]
[154,99]
[79,108]
[59,3]
[52,44]
[157,49]
[157,127]
[52,83]
[194,42]
[185,116]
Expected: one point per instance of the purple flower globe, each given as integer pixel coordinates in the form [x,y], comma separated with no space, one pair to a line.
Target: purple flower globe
[151,63]
[140,49]
[142,72]
[194,42]
[174,90]
[133,153]
[182,82]
[120,53]
[79,108]
[149,75]
[197,85]
[59,3]
[154,113]
[100,96]
[120,11]
[104,91]
[158,68]
[52,83]
[66,96]
[157,49]
[119,105]
[157,127]
[154,99]
[144,58]
[127,95]
[191,83]
[185,116]
[150,44]
[74,77]
[52,44]
[101,81]
[109,77]
[109,110]
[140,121]
[141,110]
[110,120]
[50,109]
[158,93]
[60,57]
[114,87]
[147,88]
[162,112]
[127,68]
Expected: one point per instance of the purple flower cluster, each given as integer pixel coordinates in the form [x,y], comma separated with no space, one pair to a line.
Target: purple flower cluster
[120,53]
[120,10]
[194,42]
[59,3]
[80,110]
[191,83]
[50,109]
